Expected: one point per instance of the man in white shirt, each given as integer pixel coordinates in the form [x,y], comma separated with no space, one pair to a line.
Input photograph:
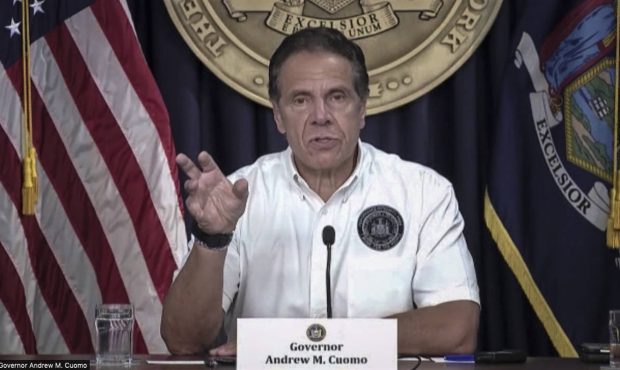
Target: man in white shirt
[399,250]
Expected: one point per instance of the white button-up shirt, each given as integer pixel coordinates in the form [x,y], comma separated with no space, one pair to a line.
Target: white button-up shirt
[275,265]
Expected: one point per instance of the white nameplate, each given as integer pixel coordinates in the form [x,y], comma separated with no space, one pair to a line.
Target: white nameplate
[317,344]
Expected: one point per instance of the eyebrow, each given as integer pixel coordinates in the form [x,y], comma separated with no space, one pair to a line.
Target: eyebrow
[337,88]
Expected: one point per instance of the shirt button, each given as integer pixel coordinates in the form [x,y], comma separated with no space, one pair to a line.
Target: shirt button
[324,212]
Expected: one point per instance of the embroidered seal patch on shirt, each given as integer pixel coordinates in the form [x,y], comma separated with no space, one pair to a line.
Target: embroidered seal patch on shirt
[380,227]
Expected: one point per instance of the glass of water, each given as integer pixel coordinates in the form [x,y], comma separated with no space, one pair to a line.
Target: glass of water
[614,338]
[114,327]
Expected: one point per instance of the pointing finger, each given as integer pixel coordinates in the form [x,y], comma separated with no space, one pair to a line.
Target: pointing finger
[188,166]
[206,162]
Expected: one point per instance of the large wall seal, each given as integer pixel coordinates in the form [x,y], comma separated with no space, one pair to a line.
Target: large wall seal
[411,46]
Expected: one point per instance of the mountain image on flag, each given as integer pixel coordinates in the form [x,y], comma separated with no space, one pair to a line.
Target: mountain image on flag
[547,203]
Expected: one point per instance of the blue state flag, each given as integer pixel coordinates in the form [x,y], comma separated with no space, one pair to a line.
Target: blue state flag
[551,166]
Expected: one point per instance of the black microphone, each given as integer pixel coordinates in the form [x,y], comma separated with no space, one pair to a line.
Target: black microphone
[329,237]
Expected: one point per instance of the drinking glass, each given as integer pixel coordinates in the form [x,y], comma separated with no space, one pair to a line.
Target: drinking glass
[114,327]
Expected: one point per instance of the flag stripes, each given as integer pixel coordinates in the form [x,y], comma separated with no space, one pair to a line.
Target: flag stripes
[108,226]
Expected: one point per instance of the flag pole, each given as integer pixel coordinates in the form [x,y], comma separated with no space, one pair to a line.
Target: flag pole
[613,223]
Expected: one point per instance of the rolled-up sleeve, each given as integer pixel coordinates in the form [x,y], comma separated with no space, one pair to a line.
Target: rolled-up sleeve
[445,269]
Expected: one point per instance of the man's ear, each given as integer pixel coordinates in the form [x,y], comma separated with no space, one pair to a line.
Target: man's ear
[363,116]
[277,117]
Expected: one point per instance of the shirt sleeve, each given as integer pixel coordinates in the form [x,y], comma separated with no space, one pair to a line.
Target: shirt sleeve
[445,269]
[184,256]
[232,273]
[232,264]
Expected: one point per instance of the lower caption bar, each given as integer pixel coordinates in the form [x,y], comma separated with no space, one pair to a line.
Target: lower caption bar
[44,364]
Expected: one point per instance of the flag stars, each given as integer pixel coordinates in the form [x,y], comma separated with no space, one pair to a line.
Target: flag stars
[37,7]
[16,1]
[13,28]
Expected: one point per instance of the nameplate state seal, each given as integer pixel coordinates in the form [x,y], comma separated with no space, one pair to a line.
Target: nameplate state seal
[411,46]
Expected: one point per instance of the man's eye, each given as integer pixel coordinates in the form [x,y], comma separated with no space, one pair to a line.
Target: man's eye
[338,97]
[299,100]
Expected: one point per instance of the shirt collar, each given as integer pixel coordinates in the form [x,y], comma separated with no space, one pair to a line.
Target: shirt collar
[363,159]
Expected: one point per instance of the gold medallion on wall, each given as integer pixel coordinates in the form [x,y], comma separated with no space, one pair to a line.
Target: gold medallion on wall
[411,46]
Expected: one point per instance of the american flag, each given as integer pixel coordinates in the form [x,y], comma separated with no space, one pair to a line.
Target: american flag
[108,226]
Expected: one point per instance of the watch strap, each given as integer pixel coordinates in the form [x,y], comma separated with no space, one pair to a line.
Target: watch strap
[211,241]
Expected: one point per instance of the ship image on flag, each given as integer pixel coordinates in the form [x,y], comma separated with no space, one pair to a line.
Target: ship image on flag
[548,203]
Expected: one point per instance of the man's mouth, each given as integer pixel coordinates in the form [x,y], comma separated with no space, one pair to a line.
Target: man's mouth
[323,142]
[322,139]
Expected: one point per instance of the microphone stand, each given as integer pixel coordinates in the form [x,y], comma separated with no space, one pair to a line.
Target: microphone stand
[329,238]
[328,285]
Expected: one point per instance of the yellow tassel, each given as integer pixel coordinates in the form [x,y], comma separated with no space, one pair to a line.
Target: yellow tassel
[613,235]
[614,212]
[613,222]
[29,186]
[33,170]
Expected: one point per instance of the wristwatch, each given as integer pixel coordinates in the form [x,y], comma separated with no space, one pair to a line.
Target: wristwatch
[211,241]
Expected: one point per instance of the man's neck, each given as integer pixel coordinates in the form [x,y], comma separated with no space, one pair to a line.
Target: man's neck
[326,183]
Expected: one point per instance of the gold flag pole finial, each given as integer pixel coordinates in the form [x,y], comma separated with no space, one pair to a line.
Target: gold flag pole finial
[30,188]
[613,223]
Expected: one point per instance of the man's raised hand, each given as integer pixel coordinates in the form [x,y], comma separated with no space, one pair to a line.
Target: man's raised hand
[213,201]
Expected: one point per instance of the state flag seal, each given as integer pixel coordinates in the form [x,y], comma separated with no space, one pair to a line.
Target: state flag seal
[572,105]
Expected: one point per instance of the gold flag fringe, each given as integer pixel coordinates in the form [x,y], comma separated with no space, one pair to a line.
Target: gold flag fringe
[515,261]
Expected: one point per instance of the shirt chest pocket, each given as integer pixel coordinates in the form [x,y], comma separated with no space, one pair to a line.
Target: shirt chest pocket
[379,287]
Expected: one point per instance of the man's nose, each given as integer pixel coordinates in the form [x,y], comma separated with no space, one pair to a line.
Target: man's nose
[320,112]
